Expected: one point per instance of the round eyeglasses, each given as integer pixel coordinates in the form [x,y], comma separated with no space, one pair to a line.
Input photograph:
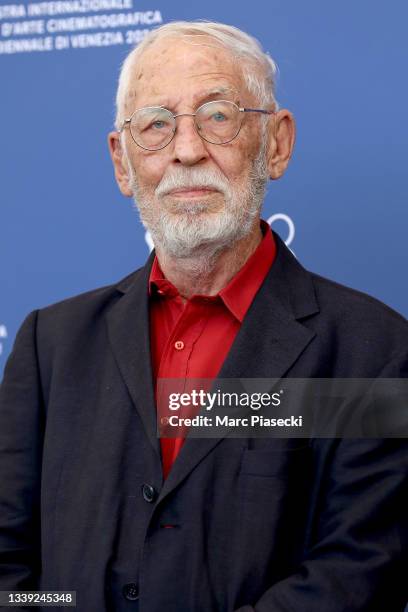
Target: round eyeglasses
[218,122]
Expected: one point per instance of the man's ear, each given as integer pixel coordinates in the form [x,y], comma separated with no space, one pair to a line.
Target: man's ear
[119,163]
[281,142]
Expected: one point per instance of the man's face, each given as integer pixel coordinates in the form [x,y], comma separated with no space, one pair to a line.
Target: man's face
[192,194]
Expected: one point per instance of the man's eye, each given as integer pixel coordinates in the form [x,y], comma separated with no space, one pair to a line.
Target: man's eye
[157,125]
[219,117]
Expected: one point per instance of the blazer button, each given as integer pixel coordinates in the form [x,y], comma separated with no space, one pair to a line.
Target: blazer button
[149,493]
[130,591]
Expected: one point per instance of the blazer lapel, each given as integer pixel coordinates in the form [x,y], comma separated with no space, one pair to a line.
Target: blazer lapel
[128,329]
[268,343]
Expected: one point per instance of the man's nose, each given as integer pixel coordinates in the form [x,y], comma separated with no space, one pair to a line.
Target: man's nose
[189,147]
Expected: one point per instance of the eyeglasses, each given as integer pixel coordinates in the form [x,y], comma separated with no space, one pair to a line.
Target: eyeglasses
[218,122]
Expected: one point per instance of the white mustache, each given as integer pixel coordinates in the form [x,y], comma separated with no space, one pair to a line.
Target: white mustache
[191,179]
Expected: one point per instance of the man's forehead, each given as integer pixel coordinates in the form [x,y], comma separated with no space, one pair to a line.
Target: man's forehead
[195,64]
[160,97]
[189,58]
[186,51]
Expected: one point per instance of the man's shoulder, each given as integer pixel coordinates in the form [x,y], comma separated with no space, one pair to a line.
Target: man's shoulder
[357,327]
[329,303]
[348,304]
[90,303]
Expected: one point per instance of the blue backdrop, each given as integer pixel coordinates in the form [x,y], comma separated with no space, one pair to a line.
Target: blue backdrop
[64,226]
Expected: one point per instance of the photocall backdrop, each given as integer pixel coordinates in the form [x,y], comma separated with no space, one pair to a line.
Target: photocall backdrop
[342,206]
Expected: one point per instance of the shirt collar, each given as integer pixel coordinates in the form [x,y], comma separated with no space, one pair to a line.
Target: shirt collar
[158,283]
[239,293]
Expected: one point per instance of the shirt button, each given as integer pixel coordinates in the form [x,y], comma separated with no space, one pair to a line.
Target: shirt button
[179,345]
[149,493]
[130,591]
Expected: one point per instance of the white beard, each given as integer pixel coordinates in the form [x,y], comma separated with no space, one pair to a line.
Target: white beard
[194,229]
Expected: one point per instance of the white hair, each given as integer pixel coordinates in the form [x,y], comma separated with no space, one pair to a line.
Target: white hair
[258,68]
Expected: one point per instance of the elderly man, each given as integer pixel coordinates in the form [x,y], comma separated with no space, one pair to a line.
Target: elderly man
[90,499]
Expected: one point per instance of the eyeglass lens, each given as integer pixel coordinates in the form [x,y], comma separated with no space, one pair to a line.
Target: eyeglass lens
[217,122]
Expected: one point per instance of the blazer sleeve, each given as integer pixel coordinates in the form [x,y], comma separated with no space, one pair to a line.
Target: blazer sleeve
[21,439]
[357,556]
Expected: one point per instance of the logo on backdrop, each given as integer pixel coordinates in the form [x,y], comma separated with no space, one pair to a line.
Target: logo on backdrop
[3,335]
[288,221]
[72,24]
[276,217]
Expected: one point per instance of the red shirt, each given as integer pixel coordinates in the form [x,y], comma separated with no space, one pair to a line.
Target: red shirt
[191,339]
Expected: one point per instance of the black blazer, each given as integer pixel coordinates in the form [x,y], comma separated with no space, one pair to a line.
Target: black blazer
[267,525]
